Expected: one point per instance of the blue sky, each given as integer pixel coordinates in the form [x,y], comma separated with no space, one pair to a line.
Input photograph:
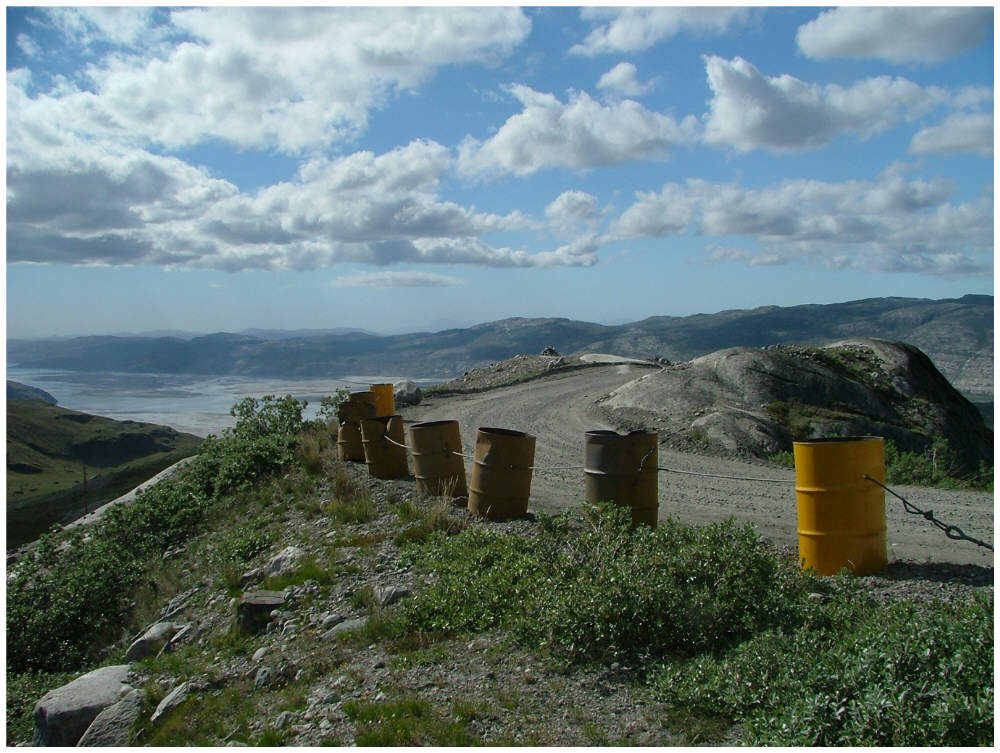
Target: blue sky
[403,169]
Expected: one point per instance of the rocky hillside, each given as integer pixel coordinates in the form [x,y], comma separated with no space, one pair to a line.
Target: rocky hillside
[758,400]
[956,333]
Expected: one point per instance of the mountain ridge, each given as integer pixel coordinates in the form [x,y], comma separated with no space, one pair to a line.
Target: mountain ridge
[957,333]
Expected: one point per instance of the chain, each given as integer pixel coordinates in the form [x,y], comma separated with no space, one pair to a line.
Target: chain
[952,532]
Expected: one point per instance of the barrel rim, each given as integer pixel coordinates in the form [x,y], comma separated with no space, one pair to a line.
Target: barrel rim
[611,434]
[429,424]
[503,432]
[835,440]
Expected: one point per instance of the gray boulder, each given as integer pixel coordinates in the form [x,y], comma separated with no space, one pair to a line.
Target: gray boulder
[254,610]
[150,642]
[174,699]
[284,561]
[407,393]
[113,726]
[64,714]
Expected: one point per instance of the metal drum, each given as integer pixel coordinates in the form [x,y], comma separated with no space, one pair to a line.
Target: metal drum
[349,445]
[385,401]
[437,469]
[841,515]
[383,458]
[621,468]
[501,473]
[357,406]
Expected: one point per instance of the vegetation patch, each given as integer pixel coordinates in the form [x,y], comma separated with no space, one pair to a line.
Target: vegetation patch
[405,721]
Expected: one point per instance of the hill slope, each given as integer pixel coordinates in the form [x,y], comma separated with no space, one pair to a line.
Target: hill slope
[956,333]
[61,462]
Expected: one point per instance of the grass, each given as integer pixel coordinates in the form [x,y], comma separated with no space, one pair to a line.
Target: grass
[406,721]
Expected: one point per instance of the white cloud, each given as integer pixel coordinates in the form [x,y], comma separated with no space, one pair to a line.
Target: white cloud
[750,111]
[27,45]
[960,133]
[294,79]
[888,224]
[637,29]
[388,279]
[621,79]
[121,26]
[579,134]
[898,35]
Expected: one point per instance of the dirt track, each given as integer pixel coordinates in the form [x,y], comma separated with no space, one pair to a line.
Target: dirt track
[558,409]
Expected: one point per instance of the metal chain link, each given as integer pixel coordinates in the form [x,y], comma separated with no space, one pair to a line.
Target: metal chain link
[952,532]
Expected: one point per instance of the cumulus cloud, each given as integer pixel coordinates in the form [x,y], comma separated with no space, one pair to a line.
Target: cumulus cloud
[89,25]
[750,110]
[960,133]
[622,80]
[294,79]
[637,29]
[897,35]
[889,224]
[27,45]
[390,279]
[581,133]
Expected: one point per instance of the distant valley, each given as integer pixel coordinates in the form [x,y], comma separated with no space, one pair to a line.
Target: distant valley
[956,333]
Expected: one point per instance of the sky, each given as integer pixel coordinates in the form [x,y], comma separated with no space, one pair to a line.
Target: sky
[405,169]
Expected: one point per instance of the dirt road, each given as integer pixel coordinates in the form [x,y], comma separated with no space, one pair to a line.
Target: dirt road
[558,409]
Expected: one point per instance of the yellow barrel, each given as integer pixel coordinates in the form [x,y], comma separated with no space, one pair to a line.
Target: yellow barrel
[383,458]
[438,470]
[841,515]
[385,401]
[349,445]
[621,468]
[501,473]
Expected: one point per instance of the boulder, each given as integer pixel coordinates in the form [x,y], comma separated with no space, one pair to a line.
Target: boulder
[150,642]
[548,350]
[407,393]
[64,714]
[113,726]
[174,699]
[254,610]
[284,561]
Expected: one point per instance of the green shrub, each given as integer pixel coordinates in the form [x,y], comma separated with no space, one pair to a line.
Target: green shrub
[856,673]
[24,690]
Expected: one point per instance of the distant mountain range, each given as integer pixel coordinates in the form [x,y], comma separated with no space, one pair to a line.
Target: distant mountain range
[956,333]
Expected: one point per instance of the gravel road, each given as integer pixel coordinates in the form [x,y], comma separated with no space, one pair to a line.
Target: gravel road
[559,408]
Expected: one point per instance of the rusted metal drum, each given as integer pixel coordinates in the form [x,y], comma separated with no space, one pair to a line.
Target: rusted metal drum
[841,515]
[501,473]
[383,458]
[385,401]
[357,406]
[621,468]
[437,469]
[349,445]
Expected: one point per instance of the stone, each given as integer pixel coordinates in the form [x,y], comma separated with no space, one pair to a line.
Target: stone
[150,642]
[330,620]
[64,714]
[548,350]
[346,626]
[407,393]
[263,678]
[113,726]
[259,654]
[254,610]
[386,595]
[284,561]
[174,699]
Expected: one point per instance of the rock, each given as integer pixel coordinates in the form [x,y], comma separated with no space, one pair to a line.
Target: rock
[386,595]
[284,718]
[407,393]
[330,620]
[250,576]
[347,625]
[259,654]
[548,350]
[263,678]
[113,726]
[285,561]
[174,699]
[254,609]
[64,714]
[150,642]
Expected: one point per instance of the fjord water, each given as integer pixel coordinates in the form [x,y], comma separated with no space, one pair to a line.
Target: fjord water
[194,403]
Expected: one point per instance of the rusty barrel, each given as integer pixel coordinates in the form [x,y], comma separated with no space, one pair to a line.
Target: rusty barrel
[621,468]
[349,446]
[385,401]
[357,406]
[438,470]
[383,458]
[501,473]
[841,515]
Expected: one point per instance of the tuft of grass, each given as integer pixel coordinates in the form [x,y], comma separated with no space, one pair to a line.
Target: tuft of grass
[357,509]
[427,520]
[404,721]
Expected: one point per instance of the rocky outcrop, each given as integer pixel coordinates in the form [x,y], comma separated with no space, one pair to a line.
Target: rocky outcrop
[407,393]
[153,640]
[757,401]
[64,714]
[113,726]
